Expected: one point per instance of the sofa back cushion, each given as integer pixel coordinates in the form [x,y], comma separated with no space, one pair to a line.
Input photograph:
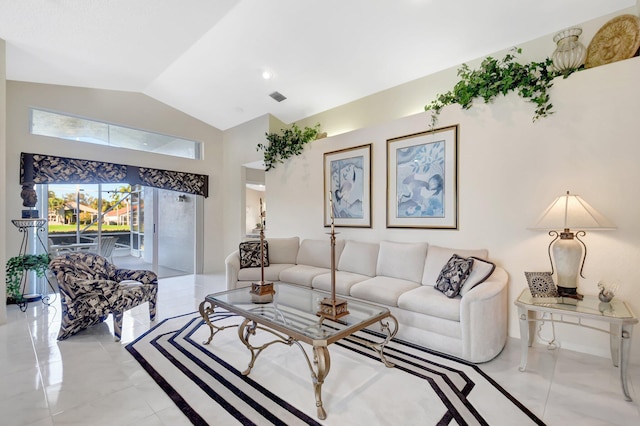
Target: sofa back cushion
[437,258]
[402,260]
[318,253]
[359,258]
[283,250]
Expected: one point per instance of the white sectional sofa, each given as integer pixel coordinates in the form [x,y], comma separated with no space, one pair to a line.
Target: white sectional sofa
[402,276]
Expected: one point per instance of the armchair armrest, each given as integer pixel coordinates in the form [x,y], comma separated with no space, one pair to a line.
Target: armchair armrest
[80,287]
[143,277]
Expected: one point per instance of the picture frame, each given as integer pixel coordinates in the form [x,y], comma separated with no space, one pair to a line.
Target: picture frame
[347,187]
[422,180]
[541,284]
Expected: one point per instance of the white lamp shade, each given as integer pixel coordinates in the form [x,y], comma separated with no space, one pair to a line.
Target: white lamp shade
[572,212]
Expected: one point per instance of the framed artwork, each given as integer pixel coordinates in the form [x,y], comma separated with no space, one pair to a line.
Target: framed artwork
[347,187]
[422,180]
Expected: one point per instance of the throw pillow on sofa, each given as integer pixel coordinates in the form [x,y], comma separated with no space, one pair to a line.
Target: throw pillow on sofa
[480,272]
[453,275]
[250,254]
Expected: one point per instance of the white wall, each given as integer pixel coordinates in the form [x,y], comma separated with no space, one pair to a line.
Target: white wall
[128,109]
[240,144]
[3,212]
[510,169]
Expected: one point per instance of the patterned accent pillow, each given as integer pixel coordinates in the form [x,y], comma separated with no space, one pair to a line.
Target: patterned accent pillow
[250,254]
[453,275]
[480,272]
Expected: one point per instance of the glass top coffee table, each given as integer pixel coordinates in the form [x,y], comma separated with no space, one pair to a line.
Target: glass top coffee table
[290,315]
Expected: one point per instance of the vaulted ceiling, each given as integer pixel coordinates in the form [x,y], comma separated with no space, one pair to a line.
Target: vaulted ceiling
[206,57]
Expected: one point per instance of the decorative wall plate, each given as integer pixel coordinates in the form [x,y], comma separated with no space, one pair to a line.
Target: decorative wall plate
[618,39]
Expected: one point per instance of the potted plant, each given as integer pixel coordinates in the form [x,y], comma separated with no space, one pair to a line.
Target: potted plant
[17,266]
[531,81]
[286,144]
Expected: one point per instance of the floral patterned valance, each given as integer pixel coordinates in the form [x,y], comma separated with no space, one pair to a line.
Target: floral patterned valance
[40,169]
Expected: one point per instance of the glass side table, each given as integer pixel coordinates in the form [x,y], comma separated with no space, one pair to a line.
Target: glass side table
[616,313]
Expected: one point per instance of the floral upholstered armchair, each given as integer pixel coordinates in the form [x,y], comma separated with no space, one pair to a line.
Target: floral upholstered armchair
[91,288]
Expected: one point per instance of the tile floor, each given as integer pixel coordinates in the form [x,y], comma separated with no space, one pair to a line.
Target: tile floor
[91,380]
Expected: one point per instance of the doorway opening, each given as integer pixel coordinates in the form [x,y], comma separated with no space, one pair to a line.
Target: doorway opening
[254,193]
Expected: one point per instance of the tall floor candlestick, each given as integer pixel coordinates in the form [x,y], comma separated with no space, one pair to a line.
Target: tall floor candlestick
[262,288]
[332,308]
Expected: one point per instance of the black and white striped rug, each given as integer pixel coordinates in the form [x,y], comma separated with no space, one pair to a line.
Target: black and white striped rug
[425,388]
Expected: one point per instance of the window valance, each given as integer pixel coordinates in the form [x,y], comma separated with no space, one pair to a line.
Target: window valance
[41,169]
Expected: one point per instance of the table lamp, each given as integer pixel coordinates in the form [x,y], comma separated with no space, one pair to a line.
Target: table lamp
[572,215]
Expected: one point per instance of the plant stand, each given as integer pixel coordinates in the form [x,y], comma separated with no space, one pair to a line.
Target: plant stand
[31,229]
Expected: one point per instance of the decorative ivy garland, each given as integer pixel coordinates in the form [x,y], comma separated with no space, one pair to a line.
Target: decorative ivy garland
[531,81]
[18,265]
[287,144]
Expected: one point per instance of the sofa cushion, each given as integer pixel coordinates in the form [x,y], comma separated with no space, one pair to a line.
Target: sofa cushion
[271,273]
[301,274]
[283,250]
[480,272]
[402,260]
[429,301]
[381,289]
[344,281]
[437,257]
[359,258]
[318,253]
[250,255]
[453,275]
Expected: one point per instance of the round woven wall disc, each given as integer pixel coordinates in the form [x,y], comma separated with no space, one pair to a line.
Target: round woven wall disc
[618,39]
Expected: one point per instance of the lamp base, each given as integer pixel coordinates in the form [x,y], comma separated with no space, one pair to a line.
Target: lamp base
[570,292]
[261,288]
[333,309]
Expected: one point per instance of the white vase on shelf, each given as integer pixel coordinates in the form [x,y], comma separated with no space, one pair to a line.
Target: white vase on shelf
[570,52]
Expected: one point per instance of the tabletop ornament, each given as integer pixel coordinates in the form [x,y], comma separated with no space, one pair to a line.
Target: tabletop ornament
[262,288]
[607,292]
[332,308]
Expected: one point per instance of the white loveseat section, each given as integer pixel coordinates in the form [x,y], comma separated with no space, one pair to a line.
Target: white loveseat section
[472,325]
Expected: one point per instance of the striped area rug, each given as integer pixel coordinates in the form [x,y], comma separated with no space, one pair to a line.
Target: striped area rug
[424,388]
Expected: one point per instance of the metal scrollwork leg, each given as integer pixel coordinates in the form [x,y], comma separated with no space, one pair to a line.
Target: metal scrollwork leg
[247,329]
[323,364]
[206,312]
[379,347]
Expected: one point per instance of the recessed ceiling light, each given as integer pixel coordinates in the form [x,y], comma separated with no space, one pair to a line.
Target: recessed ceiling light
[266,75]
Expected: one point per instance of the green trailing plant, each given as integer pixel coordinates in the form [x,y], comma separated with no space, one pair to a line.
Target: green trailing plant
[286,144]
[17,265]
[531,81]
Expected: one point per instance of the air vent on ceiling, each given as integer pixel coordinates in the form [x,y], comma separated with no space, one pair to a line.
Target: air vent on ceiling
[278,96]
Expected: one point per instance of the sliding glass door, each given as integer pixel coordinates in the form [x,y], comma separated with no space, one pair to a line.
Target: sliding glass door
[135,227]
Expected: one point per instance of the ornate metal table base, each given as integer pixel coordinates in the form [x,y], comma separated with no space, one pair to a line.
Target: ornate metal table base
[321,363]
[206,312]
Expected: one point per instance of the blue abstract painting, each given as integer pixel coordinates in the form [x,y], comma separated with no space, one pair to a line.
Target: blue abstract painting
[420,181]
[347,187]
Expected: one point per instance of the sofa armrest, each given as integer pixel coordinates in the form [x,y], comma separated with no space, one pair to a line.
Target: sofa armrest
[232,267]
[483,318]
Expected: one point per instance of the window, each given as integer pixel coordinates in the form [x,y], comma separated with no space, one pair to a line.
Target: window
[57,125]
